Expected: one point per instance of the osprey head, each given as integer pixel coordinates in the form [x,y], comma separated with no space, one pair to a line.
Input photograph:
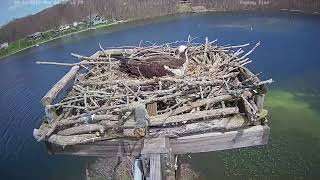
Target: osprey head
[181,50]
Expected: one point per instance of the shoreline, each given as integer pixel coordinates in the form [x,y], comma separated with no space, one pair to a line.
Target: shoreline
[294,11]
[59,37]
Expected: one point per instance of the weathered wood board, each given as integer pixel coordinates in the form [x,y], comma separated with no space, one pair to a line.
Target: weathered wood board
[207,142]
[101,148]
[216,141]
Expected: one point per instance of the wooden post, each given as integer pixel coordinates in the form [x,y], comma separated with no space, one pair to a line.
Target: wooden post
[155,167]
[260,101]
[140,117]
[177,167]
[152,109]
[248,110]
[158,153]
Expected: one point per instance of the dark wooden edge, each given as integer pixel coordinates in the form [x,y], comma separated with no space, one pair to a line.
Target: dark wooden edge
[99,148]
[207,142]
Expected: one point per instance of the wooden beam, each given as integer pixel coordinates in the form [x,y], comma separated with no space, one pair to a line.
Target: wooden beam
[216,141]
[55,90]
[207,142]
[119,147]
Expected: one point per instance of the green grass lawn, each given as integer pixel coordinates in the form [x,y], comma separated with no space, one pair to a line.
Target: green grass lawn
[25,43]
[183,8]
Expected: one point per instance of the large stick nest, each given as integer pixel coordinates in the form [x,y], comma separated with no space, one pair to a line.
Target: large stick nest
[194,81]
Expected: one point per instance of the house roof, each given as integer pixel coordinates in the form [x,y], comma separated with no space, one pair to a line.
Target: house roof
[36,34]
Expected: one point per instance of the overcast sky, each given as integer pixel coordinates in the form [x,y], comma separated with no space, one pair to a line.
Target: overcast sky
[10,9]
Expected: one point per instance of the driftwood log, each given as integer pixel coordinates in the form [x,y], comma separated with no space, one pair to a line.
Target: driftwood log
[54,91]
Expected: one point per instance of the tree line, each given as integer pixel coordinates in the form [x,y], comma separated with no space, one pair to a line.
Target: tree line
[67,13]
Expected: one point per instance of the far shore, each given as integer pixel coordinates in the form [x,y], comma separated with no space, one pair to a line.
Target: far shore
[134,19]
[59,37]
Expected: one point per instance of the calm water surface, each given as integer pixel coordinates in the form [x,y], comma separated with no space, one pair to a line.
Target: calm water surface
[289,54]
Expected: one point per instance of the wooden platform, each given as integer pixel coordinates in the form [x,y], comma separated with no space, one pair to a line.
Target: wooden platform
[210,102]
[215,141]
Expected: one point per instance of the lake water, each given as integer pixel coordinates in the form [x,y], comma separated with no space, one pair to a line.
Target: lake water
[289,54]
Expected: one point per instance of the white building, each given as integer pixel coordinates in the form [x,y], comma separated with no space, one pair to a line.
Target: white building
[75,24]
[99,20]
[63,28]
[4,45]
[95,20]
[35,36]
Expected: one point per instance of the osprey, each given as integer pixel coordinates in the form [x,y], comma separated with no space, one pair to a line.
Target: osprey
[156,66]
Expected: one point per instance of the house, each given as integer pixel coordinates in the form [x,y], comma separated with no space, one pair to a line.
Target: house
[75,24]
[99,20]
[95,20]
[35,36]
[4,45]
[64,28]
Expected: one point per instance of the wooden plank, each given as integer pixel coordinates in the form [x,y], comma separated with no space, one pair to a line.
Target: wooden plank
[155,167]
[56,89]
[216,141]
[101,148]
